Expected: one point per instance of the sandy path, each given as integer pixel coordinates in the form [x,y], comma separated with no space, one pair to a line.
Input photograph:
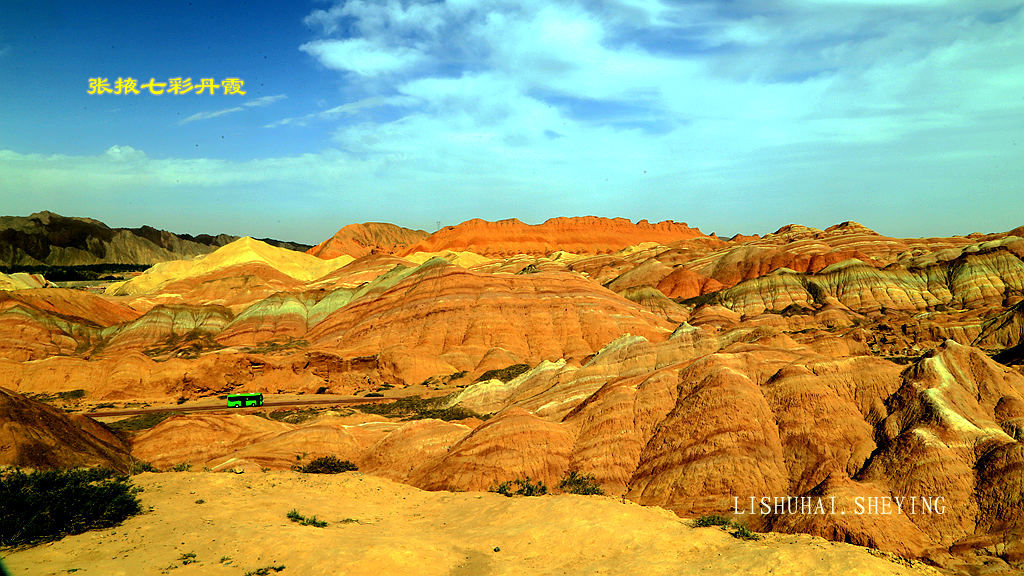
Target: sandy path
[397,529]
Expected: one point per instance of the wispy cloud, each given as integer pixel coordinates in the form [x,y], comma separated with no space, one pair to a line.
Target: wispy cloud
[258,102]
[348,109]
[361,56]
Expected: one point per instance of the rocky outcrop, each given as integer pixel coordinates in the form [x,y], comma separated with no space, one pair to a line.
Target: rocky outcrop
[359,240]
[34,435]
[22,281]
[586,235]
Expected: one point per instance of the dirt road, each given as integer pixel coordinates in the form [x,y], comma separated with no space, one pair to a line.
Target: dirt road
[278,404]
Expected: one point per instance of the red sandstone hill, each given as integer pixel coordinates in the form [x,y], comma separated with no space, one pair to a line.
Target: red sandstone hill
[358,240]
[36,435]
[584,235]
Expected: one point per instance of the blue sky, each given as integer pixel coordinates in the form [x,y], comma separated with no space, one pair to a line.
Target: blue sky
[734,116]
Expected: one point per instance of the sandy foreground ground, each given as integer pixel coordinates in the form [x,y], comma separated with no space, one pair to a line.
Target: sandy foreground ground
[236,523]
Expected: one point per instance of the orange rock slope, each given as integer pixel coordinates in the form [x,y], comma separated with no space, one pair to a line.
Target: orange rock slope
[370,238]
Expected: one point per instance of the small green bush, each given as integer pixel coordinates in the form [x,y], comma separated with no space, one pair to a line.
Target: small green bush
[140,466]
[294,416]
[48,505]
[711,520]
[576,483]
[520,487]
[326,465]
[744,533]
[264,571]
[182,467]
[739,530]
[416,408]
[504,374]
[698,301]
[140,422]
[294,516]
[67,396]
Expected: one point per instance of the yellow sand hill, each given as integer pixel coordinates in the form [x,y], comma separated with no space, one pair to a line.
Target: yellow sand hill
[297,265]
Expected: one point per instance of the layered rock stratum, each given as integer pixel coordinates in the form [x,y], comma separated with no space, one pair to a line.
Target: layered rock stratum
[683,371]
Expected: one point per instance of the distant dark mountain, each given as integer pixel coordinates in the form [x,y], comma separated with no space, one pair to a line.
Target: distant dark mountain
[296,246]
[48,239]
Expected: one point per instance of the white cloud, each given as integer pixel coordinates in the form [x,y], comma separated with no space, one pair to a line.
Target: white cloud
[255,103]
[124,154]
[326,20]
[361,56]
[370,18]
[123,168]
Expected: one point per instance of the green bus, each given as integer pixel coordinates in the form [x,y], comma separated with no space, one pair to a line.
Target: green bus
[243,400]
